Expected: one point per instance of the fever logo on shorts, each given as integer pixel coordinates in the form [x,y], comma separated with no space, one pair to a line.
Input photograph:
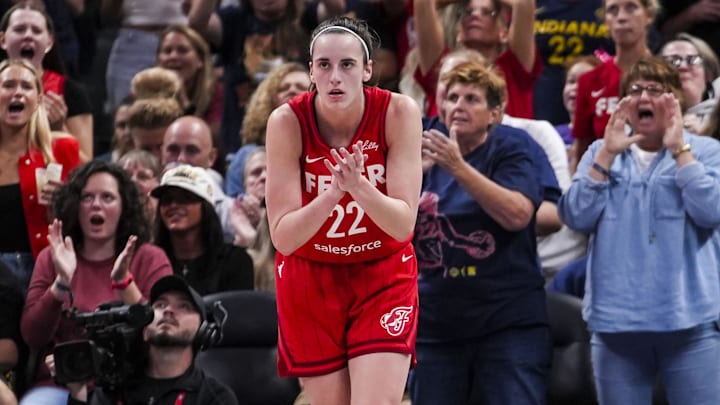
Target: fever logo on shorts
[394,321]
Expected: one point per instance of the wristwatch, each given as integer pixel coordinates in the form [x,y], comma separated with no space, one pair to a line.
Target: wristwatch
[681,150]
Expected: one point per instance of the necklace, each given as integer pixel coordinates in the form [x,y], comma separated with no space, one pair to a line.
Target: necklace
[185,266]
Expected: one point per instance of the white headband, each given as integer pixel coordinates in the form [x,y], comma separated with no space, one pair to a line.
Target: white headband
[348,30]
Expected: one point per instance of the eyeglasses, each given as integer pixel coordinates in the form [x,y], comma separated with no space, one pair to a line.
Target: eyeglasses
[690,60]
[652,90]
[484,12]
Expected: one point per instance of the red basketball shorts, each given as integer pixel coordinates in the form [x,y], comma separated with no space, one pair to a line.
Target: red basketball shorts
[330,313]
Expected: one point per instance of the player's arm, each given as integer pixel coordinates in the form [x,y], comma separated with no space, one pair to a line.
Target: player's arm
[395,213]
[291,223]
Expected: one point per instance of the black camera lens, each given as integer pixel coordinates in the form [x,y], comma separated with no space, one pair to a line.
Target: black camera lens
[75,361]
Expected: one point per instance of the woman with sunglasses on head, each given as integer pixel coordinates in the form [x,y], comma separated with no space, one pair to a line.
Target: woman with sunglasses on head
[699,69]
[343,182]
[650,202]
[189,231]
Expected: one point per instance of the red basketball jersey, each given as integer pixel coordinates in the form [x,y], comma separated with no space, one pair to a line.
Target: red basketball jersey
[348,235]
[597,95]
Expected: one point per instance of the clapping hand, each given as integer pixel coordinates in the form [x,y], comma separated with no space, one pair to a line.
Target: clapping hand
[441,150]
[62,252]
[427,156]
[121,267]
[348,168]
[245,214]
[56,110]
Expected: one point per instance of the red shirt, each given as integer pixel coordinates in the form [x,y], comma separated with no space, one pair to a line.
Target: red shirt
[54,82]
[67,153]
[518,81]
[348,235]
[597,95]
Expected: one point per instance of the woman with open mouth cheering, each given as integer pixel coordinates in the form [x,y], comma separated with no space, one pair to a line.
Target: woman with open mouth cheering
[27,146]
[650,201]
[98,253]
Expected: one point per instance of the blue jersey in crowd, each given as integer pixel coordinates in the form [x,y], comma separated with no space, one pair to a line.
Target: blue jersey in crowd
[564,30]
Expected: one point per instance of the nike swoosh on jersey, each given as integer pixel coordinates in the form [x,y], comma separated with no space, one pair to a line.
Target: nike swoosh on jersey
[597,93]
[308,159]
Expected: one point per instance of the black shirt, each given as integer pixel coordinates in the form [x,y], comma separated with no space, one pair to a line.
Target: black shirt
[225,268]
[196,388]
[76,98]
[12,217]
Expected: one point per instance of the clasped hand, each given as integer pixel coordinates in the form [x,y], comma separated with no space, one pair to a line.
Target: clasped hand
[348,169]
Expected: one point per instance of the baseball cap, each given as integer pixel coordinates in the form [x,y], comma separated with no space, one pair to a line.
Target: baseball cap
[191,178]
[176,283]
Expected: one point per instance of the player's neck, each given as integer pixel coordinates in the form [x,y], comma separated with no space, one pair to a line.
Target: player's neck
[339,127]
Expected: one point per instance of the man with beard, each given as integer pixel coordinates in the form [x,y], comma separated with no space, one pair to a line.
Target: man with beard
[177,332]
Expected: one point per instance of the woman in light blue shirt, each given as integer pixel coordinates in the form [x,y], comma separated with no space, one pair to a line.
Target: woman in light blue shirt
[651,203]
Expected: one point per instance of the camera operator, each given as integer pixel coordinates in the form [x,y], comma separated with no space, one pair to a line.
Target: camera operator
[181,327]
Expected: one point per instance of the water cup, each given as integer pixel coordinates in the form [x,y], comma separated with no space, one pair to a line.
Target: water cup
[53,172]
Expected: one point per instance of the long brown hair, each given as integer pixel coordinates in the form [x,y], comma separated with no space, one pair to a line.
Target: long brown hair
[202,86]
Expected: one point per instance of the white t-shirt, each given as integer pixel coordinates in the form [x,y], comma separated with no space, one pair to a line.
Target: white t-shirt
[559,248]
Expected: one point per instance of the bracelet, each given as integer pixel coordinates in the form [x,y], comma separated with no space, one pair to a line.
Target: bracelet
[62,287]
[66,289]
[122,284]
[601,170]
[681,150]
